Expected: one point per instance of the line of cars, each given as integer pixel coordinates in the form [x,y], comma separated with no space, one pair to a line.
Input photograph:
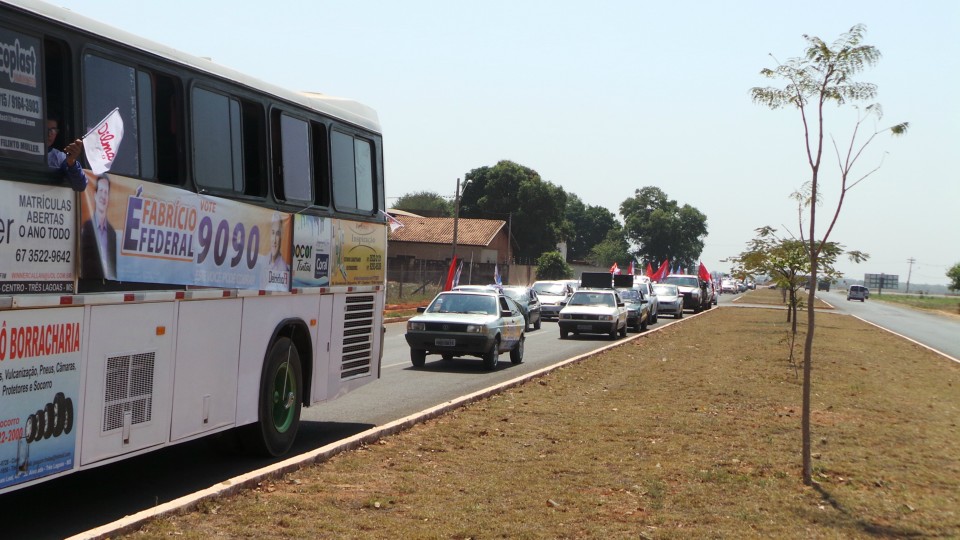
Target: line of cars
[485,321]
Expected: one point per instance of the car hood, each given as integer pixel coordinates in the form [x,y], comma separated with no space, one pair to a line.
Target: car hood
[551,298]
[667,298]
[466,318]
[590,310]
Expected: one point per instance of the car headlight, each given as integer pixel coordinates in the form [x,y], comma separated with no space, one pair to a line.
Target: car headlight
[605,317]
[416,326]
[475,328]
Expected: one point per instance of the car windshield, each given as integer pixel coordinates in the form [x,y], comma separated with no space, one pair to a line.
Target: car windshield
[686,281]
[587,298]
[630,295]
[665,290]
[520,295]
[556,289]
[479,304]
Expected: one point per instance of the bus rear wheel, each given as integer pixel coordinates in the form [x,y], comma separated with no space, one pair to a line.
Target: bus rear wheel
[281,396]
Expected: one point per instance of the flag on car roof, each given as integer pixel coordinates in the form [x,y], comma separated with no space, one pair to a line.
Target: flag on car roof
[496,275]
[615,269]
[448,284]
[649,271]
[702,272]
[631,272]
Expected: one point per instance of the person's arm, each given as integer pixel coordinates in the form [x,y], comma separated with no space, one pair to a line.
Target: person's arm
[71,166]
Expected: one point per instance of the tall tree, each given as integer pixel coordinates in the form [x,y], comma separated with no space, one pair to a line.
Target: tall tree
[427,203]
[511,191]
[662,229]
[589,226]
[825,73]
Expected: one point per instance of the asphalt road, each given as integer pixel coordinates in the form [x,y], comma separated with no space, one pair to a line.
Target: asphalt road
[91,498]
[939,332]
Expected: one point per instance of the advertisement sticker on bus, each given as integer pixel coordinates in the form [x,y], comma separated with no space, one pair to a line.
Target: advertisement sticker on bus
[140,231]
[311,251]
[359,250]
[39,388]
[21,122]
[36,239]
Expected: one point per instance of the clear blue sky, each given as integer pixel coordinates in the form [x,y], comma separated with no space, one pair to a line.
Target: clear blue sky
[607,97]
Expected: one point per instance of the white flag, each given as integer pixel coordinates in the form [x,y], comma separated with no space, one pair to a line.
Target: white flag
[101,143]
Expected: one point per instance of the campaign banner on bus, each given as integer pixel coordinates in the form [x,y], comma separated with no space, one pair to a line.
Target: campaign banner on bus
[311,251]
[22,126]
[40,374]
[359,253]
[141,231]
[36,239]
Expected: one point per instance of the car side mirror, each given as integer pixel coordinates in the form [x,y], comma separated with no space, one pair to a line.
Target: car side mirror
[421,309]
[563,303]
[644,301]
[506,313]
[620,304]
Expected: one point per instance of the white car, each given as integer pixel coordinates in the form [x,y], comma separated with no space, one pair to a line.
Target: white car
[594,311]
[552,294]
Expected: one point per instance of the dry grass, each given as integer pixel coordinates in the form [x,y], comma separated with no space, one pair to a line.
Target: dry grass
[774,297]
[690,432]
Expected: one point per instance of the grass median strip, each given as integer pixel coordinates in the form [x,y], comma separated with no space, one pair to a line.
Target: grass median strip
[691,432]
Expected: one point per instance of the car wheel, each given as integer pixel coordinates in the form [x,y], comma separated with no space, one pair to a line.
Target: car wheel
[418,357]
[492,357]
[563,334]
[643,326]
[516,355]
[654,319]
[539,322]
[679,314]
[636,326]
[526,324]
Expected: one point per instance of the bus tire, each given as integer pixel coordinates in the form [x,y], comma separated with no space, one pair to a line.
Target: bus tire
[30,430]
[41,425]
[58,414]
[51,420]
[281,396]
[67,416]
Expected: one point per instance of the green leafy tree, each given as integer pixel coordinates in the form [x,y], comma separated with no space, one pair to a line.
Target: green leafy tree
[613,249]
[511,191]
[550,265]
[662,228]
[589,226]
[425,203]
[825,73]
[786,262]
[954,274]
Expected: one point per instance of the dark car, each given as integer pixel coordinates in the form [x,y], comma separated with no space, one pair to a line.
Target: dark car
[529,302]
[638,308]
[696,297]
[461,323]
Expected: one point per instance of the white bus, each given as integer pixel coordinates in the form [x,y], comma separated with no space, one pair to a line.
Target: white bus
[225,272]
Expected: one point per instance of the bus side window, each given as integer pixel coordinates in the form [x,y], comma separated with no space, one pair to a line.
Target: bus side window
[293,181]
[353,173]
[109,85]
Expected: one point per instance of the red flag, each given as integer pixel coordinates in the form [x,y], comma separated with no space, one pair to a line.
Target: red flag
[661,272]
[614,269]
[632,269]
[702,272]
[649,271]
[450,274]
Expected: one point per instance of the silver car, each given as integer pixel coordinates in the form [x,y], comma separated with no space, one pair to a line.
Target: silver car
[461,323]
[670,300]
[552,294]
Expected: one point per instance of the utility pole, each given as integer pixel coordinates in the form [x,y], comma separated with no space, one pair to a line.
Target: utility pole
[456,217]
[911,260]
